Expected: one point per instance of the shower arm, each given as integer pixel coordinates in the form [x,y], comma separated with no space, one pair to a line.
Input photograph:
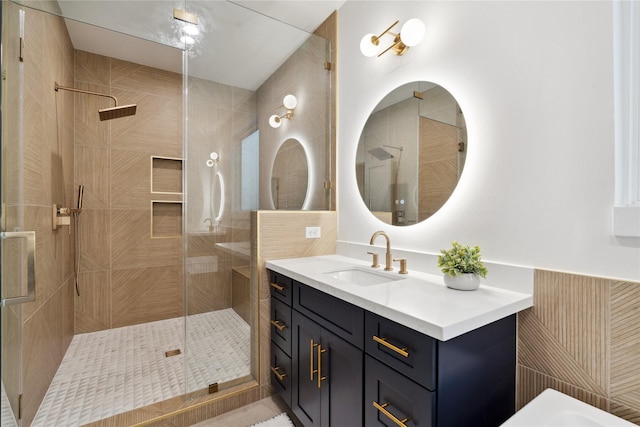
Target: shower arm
[88,92]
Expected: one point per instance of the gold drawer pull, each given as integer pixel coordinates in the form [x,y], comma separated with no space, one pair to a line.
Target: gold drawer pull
[389,415]
[278,287]
[312,371]
[401,351]
[277,324]
[320,377]
[276,372]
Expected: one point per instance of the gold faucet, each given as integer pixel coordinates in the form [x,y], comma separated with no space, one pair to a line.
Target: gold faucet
[387,266]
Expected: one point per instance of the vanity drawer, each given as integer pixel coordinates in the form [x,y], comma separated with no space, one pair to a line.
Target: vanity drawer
[404,349]
[281,325]
[338,316]
[389,395]
[281,287]
[280,372]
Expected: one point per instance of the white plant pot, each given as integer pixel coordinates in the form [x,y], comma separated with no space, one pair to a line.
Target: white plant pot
[464,282]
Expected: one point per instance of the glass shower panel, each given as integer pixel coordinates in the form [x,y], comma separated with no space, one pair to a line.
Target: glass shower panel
[237,73]
[12,195]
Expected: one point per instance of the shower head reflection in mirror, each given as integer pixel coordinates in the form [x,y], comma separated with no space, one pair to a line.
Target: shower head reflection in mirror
[411,153]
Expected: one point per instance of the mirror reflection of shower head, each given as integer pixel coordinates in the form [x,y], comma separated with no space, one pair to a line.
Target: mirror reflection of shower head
[380,153]
[114,112]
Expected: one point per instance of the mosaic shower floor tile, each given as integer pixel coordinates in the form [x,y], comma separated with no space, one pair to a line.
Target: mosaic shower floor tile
[110,372]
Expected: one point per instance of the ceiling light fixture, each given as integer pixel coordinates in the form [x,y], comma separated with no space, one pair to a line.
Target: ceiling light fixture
[289,102]
[411,34]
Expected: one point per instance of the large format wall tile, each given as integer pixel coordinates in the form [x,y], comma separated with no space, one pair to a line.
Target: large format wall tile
[565,334]
[625,344]
[581,338]
[93,305]
[146,294]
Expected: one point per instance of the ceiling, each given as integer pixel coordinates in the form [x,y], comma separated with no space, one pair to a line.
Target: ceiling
[241,42]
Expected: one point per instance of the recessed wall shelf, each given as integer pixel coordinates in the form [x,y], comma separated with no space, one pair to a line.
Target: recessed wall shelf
[166,219]
[166,175]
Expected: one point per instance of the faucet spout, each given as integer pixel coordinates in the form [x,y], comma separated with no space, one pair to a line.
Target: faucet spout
[388,258]
[210,223]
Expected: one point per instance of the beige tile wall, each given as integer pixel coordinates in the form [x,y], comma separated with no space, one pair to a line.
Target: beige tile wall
[47,178]
[581,338]
[126,276]
[281,234]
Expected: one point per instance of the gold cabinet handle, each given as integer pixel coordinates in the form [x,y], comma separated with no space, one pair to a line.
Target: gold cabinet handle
[320,377]
[276,372]
[389,415]
[278,287]
[277,324]
[384,341]
[312,371]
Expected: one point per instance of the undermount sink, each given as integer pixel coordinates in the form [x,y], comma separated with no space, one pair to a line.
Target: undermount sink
[362,277]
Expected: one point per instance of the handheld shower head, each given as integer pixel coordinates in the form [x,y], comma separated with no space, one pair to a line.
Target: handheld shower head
[80,194]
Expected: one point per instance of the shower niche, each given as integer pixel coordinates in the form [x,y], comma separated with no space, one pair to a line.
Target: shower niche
[166,215]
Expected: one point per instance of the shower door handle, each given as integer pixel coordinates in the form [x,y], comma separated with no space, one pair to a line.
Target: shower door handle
[31,266]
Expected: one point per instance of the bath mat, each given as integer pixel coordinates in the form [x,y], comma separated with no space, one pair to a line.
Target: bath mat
[281,420]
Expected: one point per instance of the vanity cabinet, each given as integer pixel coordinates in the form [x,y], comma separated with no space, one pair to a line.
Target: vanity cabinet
[327,375]
[281,288]
[347,366]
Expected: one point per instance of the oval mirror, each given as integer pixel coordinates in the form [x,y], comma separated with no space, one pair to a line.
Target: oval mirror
[411,153]
[289,176]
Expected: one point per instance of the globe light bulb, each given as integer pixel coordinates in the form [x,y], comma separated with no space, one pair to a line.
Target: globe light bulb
[213,155]
[368,47]
[275,121]
[290,102]
[412,32]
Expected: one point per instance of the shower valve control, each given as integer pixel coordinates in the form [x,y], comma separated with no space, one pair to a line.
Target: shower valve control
[62,216]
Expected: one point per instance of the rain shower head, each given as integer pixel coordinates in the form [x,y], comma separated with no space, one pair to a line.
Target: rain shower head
[117,112]
[380,153]
[114,112]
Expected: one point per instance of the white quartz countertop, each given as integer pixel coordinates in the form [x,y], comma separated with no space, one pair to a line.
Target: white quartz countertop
[420,301]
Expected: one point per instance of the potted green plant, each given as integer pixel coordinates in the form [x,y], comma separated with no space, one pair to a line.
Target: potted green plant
[462,266]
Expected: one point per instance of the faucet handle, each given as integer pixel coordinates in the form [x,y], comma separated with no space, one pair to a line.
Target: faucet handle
[375,263]
[403,265]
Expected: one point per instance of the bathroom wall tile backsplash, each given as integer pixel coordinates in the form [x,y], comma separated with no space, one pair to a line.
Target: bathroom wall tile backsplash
[581,337]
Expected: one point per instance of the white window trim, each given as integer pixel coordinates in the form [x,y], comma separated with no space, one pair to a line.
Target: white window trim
[626,27]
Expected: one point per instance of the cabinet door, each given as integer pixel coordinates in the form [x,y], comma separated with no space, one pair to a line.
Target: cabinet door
[394,400]
[305,392]
[342,396]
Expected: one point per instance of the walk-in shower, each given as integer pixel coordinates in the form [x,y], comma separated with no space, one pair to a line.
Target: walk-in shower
[111,113]
[156,308]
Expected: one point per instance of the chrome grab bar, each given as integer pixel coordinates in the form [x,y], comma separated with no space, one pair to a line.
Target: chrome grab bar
[31,266]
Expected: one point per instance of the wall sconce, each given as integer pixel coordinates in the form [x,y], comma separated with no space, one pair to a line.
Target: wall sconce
[411,34]
[289,102]
[213,159]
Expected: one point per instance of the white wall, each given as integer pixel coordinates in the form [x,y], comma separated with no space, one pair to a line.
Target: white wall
[534,80]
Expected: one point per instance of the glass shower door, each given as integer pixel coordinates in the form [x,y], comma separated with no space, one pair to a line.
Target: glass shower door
[17,246]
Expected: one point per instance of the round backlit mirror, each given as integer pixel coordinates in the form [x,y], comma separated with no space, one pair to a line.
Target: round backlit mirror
[289,176]
[411,153]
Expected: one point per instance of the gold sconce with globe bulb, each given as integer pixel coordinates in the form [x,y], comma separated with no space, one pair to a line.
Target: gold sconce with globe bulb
[411,34]
[290,102]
